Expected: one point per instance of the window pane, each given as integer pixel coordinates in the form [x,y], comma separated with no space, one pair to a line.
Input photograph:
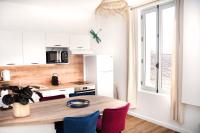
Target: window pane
[167,29]
[150,51]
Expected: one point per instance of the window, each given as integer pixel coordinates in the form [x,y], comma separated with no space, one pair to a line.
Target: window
[157,25]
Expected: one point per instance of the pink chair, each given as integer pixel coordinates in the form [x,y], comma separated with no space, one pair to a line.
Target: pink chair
[51,98]
[113,120]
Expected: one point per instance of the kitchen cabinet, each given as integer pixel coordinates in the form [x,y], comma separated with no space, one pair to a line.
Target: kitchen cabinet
[11,50]
[47,93]
[79,42]
[57,39]
[34,48]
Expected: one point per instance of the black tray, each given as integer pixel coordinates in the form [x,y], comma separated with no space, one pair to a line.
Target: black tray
[78,103]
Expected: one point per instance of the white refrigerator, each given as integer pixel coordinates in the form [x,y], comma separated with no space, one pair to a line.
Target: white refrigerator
[99,69]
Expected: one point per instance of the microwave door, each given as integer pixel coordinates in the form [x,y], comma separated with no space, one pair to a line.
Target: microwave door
[51,56]
[59,57]
[64,56]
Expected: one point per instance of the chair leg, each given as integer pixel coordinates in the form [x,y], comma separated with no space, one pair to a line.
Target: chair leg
[98,131]
[59,126]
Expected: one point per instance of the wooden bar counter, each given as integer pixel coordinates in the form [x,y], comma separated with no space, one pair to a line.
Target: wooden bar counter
[49,112]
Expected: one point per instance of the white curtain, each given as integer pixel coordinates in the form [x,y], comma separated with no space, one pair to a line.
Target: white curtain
[176,105]
[132,60]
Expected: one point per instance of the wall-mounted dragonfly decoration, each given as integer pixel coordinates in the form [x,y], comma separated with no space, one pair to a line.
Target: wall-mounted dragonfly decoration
[95,35]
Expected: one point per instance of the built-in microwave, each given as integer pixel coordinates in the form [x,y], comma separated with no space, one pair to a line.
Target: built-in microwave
[57,56]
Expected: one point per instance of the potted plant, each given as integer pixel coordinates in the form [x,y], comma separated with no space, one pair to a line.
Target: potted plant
[19,97]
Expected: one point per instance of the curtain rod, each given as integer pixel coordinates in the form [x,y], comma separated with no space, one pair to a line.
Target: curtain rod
[131,7]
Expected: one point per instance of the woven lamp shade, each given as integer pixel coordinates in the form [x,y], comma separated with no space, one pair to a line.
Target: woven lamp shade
[112,7]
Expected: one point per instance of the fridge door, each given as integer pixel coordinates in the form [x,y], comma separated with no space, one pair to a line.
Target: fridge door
[105,84]
[104,63]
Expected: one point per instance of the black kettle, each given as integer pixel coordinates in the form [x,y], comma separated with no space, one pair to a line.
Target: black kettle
[54,79]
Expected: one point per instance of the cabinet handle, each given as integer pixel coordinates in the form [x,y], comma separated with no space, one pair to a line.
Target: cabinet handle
[62,90]
[80,47]
[34,63]
[10,64]
[57,45]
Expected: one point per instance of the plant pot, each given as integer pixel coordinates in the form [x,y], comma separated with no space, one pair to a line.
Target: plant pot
[20,110]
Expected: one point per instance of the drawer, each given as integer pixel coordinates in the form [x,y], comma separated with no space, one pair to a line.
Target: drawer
[65,91]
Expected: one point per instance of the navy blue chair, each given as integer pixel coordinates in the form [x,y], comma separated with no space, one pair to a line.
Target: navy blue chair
[85,124]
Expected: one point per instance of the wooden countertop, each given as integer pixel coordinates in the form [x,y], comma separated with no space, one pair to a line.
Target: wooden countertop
[64,85]
[60,86]
[55,110]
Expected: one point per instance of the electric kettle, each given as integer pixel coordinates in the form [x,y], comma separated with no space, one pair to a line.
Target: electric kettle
[5,75]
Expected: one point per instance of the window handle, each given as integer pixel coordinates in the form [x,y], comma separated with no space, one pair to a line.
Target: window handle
[157,65]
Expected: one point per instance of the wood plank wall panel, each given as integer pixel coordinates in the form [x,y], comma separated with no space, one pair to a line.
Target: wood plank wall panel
[41,74]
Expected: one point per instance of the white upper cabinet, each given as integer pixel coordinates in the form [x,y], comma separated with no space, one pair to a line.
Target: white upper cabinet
[57,39]
[34,48]
[79,42]
[11,48]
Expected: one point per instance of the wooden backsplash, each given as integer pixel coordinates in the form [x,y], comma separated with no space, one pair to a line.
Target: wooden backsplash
[41,74]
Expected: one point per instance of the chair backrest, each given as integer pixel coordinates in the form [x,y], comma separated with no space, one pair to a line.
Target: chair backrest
[113,120]
[82,93]
[51,98]
[86,124]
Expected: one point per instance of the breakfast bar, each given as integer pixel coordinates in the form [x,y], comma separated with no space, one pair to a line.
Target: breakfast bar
[48,112]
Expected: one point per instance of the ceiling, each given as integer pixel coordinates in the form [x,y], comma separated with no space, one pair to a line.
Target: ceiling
[44,14]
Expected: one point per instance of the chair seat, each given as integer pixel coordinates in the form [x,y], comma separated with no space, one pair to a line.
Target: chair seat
[113,120]
[83,124]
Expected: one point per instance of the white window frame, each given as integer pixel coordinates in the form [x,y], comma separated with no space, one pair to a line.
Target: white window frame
[158,8]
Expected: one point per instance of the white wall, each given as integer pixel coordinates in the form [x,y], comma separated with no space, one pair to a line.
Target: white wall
[191,50]
[156,108]
[114,42]
[152,107]
[46,15]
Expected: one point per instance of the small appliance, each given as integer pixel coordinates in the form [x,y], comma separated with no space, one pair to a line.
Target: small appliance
[54,79]
[5,75]
[57,56]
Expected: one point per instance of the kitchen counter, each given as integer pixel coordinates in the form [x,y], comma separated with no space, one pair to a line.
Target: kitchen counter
[65,85]
[49,112]
[60,86]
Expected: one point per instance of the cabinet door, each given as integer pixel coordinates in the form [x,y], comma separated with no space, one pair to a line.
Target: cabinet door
[79,42]
[34,48]
[47,93]
[57,40]
[105,84]
[104,63]
[65,91]
[11,48]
